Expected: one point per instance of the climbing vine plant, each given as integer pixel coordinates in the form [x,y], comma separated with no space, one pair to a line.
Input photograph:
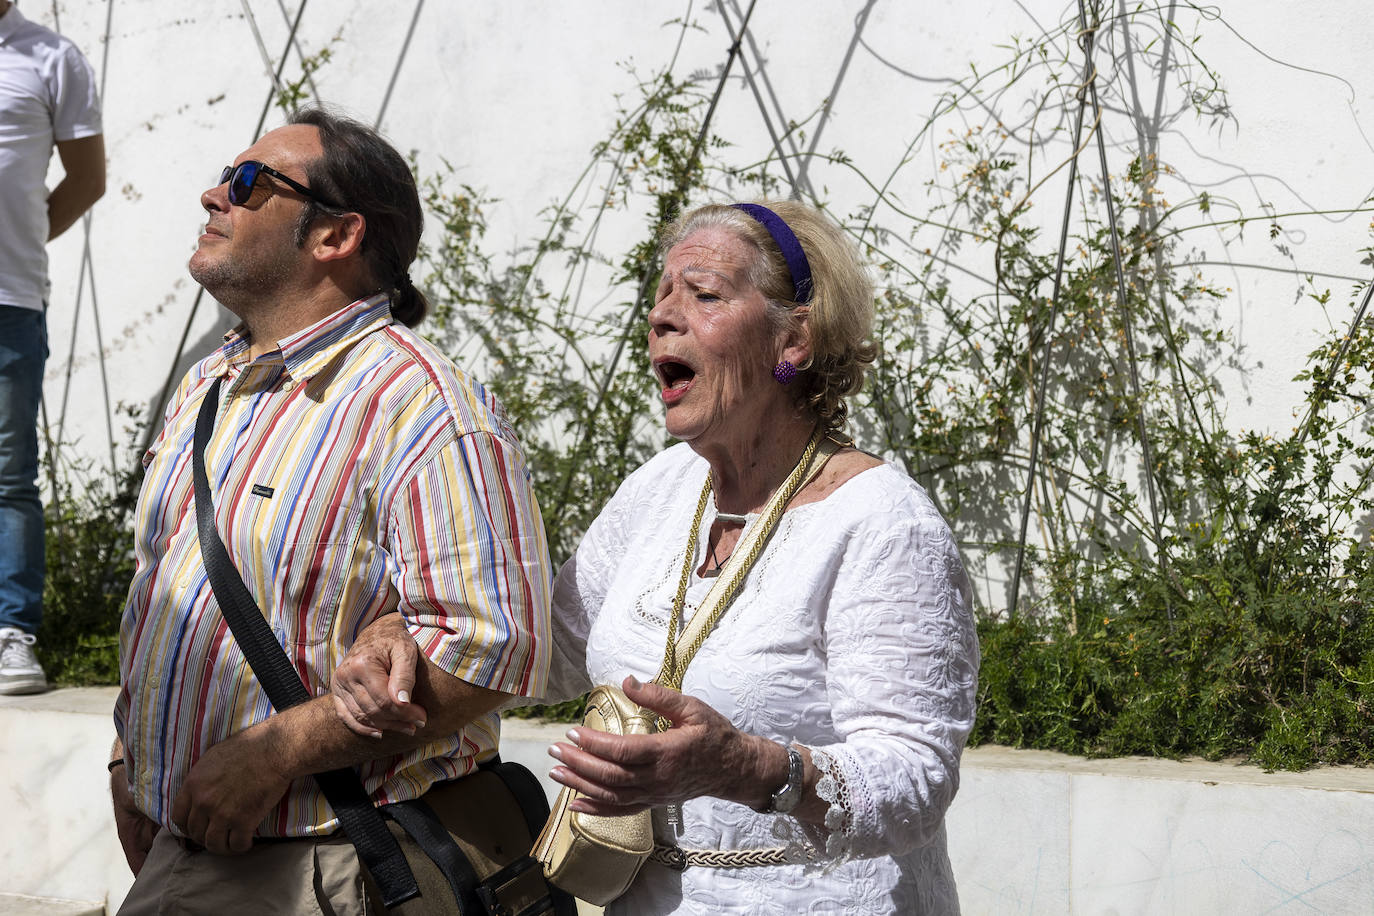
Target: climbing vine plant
[1240,628]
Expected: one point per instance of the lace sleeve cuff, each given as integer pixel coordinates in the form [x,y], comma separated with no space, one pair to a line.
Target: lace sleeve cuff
[835,790]
[832,845]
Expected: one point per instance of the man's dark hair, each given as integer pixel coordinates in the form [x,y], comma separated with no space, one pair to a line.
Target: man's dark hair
[365,175]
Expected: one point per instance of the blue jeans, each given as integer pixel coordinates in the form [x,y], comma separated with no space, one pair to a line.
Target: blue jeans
[23,350]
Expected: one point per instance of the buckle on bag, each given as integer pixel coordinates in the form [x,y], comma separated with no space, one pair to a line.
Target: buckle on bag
[492,902]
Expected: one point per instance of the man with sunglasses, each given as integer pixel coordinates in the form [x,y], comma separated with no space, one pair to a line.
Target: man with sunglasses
[353,471]
[47,99]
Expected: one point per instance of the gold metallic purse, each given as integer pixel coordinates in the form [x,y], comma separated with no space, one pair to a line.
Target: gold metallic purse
[593,857]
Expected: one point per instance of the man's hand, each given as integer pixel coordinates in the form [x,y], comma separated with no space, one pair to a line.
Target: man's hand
[230,790]
[372,685]
[236,783]
[136,830]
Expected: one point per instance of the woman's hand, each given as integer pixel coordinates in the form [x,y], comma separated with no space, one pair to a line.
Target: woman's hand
[702,754]
[372,685]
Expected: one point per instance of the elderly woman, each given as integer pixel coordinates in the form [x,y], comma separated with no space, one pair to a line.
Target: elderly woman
[824,715]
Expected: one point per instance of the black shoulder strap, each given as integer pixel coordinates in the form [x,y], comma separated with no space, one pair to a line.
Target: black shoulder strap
[376,847]
[529,794]
[534,806]
[418,819]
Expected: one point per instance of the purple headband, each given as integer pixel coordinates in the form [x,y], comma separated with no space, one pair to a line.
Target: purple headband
[787,243]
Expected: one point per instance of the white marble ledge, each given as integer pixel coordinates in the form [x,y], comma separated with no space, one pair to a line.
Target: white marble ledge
[23,905]
[96,701]
[1034,832]
[99,701]
[1192,769]
[59,841]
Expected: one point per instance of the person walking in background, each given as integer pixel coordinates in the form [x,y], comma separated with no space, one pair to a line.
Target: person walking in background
[47,98]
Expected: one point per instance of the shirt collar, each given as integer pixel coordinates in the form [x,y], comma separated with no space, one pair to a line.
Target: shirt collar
[10,23]
[304,353]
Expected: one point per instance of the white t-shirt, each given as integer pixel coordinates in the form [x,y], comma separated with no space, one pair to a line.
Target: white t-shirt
[47,94]
[853,635]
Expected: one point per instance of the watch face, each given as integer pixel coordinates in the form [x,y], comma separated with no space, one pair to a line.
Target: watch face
[784,803]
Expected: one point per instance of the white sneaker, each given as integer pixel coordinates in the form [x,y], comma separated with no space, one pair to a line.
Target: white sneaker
[19,670]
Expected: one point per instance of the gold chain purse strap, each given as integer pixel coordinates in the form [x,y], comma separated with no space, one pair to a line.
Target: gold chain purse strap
[679,651]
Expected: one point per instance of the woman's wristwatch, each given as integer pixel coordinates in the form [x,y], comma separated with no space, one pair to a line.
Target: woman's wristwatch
[789,795]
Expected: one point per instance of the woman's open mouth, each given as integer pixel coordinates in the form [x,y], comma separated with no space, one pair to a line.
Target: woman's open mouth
[676,378]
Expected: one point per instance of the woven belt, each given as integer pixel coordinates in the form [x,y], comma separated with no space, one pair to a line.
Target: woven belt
[679,859]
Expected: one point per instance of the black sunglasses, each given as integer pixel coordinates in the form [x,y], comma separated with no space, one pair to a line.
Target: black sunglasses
[244,176]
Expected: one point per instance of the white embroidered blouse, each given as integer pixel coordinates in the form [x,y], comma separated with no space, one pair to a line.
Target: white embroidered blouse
[853,635]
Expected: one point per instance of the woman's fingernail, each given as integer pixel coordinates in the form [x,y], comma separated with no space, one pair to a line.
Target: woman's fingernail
[574,737]
[634,682]
[376,735]
[420,724]
[555,752]
[403,696]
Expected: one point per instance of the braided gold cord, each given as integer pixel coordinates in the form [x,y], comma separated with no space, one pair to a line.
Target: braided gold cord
[667,675]
[670,673]
[677,858]
[770,521]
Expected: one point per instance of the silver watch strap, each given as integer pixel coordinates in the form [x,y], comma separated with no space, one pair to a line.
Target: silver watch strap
[789,795]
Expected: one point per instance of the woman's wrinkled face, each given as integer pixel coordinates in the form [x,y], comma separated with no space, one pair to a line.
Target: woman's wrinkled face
[711,343]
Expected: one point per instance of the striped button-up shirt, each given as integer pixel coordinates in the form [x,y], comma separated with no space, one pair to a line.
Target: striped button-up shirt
[354,470]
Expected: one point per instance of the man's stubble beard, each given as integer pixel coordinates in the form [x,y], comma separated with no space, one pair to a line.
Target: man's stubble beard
[239,286]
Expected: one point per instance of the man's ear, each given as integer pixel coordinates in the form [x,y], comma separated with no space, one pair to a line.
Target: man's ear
[336,238]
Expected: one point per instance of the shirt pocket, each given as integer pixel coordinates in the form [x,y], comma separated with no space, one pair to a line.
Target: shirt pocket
[320,579]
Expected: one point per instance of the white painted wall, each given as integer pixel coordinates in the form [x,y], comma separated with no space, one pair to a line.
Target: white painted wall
[515,94]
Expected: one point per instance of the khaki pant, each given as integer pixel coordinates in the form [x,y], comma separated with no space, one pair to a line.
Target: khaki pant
[323,875]
[307,876]
[310,877]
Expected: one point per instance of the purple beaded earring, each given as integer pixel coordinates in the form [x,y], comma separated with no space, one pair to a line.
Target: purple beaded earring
[784,372]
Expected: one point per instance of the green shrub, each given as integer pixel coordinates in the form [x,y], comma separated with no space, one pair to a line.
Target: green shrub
[90,562]
[1284,677]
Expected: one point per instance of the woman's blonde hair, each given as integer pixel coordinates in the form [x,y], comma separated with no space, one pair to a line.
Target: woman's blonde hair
[839,317]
